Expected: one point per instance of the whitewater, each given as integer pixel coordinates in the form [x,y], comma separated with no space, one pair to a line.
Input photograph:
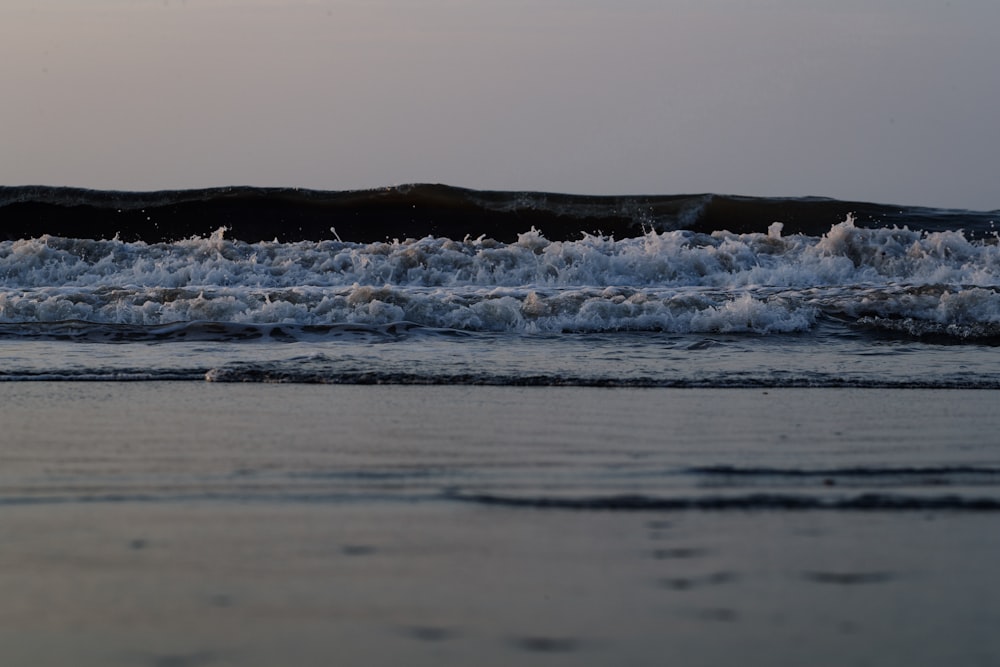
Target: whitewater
[675,282]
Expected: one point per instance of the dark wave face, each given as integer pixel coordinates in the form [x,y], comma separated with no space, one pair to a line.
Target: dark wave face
[416,211]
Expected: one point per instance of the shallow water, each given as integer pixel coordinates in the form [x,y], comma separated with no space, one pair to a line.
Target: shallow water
[419,356]
[192,523]
[583,448]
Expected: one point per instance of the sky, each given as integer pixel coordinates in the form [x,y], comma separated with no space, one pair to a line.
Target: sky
[892,101]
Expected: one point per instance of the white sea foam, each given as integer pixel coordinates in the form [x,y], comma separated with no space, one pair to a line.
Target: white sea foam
[674,281]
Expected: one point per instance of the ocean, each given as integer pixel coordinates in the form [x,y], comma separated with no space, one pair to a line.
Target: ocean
[436,285]
[280,426]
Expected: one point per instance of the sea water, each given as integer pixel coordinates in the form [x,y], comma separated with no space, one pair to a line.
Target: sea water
[431,426]
[904,299]
[852,306]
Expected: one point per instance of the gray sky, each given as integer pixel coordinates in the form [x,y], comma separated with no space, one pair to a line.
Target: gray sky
[882,100]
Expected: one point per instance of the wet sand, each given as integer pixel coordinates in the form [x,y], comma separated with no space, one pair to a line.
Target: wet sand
[229,584]
[173,525]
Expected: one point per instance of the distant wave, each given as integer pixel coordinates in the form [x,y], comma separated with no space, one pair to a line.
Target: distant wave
[932,475]
[321,371]
[417,211]
[743,502]
[725,487]
[869,502]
